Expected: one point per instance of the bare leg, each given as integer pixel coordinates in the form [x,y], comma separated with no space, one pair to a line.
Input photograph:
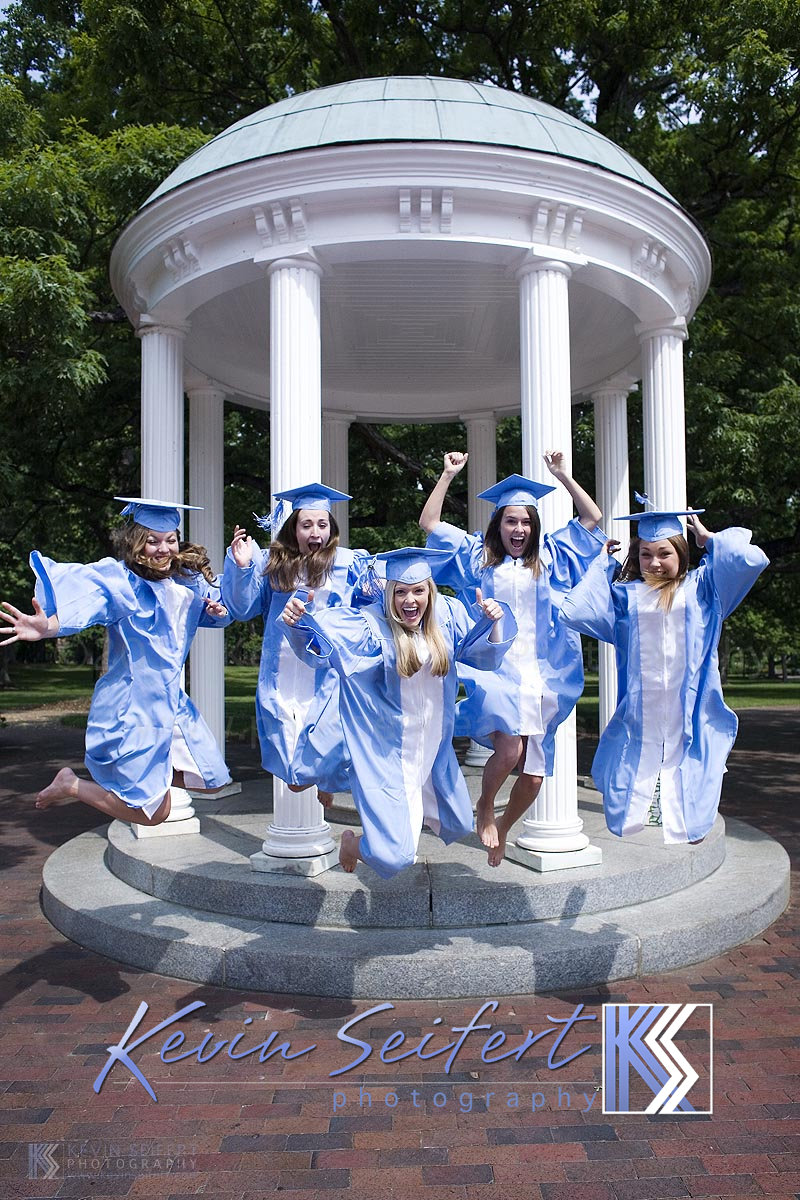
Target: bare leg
[349,851]
[67,786]
[179,780]
[507,751]
[523,794]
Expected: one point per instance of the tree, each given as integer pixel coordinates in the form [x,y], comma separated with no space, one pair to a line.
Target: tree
[707,97]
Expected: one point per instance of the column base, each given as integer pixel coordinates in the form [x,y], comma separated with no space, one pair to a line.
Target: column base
[555,860]
[166,828]
[306,867]
[282,842]
[477,755]
[181,817]
[228,789]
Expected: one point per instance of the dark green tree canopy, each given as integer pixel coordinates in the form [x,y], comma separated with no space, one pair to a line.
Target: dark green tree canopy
[100,99]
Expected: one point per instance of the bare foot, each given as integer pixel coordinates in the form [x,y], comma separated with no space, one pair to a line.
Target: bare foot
[325,798]
[348,851]
[63,787]
[485,824]
[497,853]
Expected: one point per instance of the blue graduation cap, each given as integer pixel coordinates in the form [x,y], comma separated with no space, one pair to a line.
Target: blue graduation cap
[411,564]
[310,495]
[657,524]
[161,515]
[515,489]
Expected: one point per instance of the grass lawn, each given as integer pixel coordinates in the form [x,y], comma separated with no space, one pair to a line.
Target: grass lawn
[39,685]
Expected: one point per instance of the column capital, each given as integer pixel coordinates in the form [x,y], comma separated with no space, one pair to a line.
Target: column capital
[619,385]
[148,324]
[346,418]
[195,381]
[674,327]
[488,415]
[533,265]
[306,259]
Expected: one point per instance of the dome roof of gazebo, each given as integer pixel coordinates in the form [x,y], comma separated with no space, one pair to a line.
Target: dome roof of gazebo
[412,109]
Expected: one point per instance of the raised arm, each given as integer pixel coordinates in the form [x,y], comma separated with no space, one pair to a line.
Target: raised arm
[431,515]
[589,514]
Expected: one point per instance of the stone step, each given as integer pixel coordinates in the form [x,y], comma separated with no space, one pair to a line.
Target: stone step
[95,908]
[450,886]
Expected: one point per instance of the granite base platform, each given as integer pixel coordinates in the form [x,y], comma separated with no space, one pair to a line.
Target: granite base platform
[190,906]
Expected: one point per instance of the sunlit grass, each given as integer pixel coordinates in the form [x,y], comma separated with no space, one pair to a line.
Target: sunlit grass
[46,684]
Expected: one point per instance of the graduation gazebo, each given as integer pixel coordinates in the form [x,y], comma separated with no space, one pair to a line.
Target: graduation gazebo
[412,249]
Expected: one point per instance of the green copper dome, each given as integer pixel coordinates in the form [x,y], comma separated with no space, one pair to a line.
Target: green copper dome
[408,109]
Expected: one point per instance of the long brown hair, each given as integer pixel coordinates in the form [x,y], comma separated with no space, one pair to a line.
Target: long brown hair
[667,587]
[408,662]
[129,543]
[494,552]
[287,567]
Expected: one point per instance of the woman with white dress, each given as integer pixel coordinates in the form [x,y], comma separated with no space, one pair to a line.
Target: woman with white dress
[516,711]
[297,705]
[671,725]
[396,666]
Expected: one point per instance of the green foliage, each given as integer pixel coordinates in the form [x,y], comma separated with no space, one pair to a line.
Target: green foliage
[102,98]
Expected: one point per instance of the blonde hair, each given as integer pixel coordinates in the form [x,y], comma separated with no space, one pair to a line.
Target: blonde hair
[631,569]
[408,662]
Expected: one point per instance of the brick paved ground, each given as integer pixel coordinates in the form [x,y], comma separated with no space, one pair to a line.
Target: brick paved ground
[235,1129]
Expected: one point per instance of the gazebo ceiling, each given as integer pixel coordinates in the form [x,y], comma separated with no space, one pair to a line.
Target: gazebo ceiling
[396,334]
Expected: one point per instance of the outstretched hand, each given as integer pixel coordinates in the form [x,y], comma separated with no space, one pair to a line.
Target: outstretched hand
[490,608]
[25,627]
[454,462]
[295,608]
[215,607]
[241,547]
[701,534]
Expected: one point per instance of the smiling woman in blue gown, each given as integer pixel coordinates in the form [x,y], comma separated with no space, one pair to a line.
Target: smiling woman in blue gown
[397,676]
[297,703]
[671,725]
[143,732]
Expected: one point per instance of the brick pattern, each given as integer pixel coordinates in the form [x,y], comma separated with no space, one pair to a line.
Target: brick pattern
[252,1130]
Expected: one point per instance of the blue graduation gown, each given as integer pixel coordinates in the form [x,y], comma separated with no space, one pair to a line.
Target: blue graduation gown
[399,731]
[138,705]
[539,681]
[297,704]
[671,719]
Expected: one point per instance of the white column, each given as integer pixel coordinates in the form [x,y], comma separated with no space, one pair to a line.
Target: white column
[336,466]
[481,474]
[482,466]
[298,840]
[552,824]
[206,480]
[162,479]
[162,410]
[664,423]
[612,485]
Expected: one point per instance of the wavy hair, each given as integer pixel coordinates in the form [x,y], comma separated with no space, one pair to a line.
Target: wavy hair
[130,540]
